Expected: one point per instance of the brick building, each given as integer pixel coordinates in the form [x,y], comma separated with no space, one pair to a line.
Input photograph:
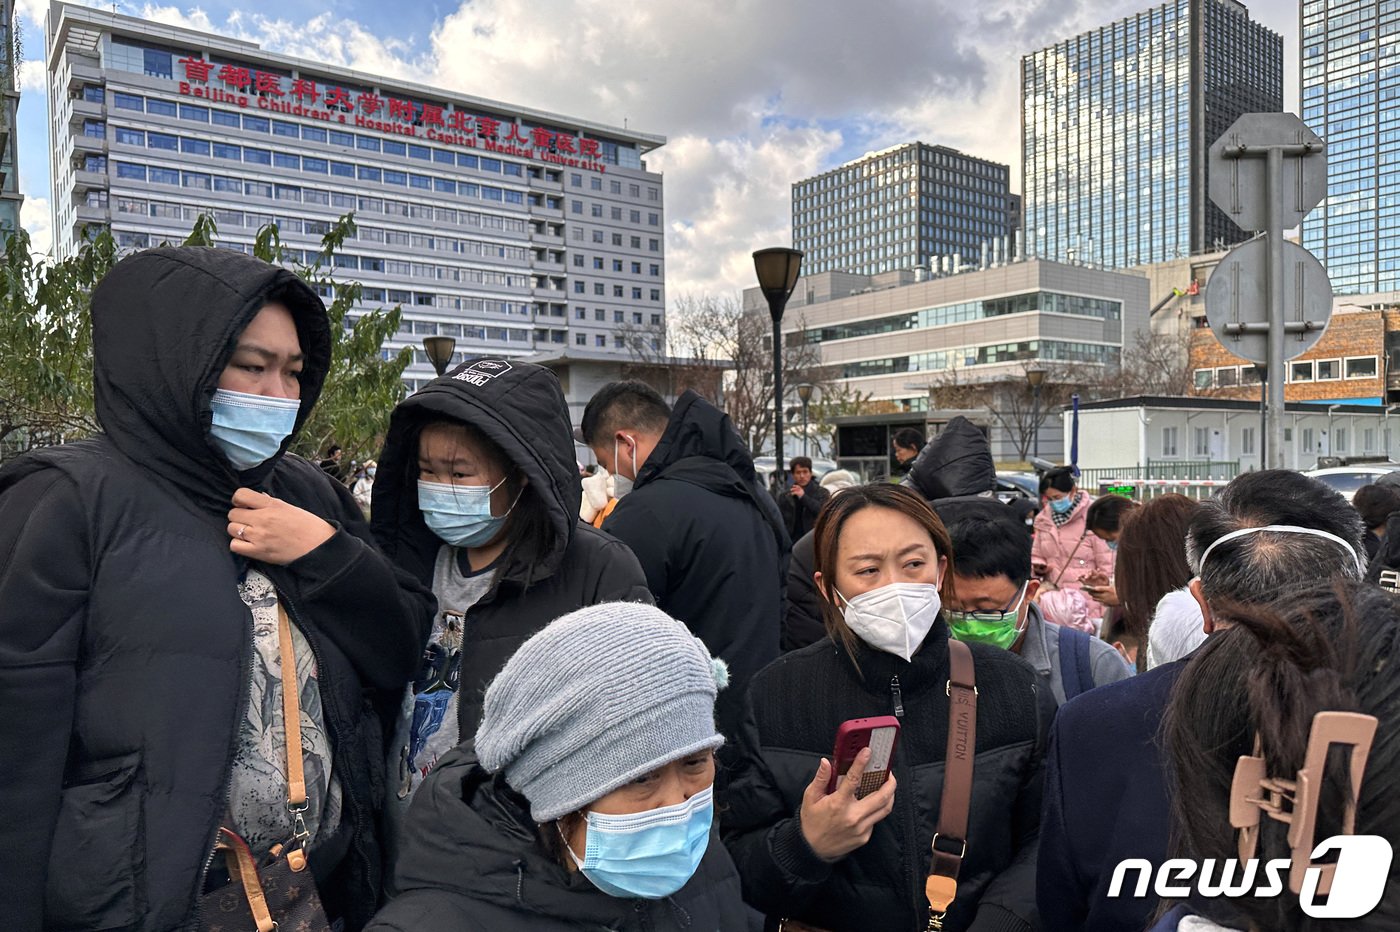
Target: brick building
[1357,361]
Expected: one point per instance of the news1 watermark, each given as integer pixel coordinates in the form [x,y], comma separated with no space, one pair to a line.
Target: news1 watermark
[1362,866]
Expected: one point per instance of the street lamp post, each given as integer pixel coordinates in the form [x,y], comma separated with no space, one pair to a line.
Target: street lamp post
[439,350]
[804,392]
[777,268]
[1034,376]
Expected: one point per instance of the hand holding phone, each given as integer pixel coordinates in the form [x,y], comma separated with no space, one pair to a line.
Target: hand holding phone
[835,824]
[880,735]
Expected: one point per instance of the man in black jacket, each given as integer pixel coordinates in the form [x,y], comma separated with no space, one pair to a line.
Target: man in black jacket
[802,501]
[708,536]
[140,586]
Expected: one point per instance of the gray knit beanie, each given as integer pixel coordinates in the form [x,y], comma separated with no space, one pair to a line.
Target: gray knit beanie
[598,698]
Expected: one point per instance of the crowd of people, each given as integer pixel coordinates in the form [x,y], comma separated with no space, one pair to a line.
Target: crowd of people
[466,686]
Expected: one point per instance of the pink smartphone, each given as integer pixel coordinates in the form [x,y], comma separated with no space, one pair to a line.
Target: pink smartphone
[881,735]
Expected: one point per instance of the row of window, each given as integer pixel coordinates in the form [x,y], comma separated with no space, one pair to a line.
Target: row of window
[1310,370]
[618,317]
[653,269]
[634,242]
[614,186]
[618,291]
[1042,301]
[319,134]
[253,155]
[968,356]
[633,216]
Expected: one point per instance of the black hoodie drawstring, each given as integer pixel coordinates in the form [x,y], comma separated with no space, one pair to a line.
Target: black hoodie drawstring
[682,916]
[519,881]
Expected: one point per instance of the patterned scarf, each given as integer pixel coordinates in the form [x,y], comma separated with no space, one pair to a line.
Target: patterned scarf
[1061,519]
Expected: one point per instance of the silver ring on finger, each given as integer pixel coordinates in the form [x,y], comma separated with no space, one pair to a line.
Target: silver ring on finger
[242,531]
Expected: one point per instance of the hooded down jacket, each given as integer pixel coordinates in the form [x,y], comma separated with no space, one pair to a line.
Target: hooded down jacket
[521,408]
[711,541]
[473,863]
[955,463]
[125,649]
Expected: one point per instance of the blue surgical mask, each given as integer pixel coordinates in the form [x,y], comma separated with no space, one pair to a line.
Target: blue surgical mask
[1062,506]
[1112,544]
[648,854]
[250,429]
[460,514]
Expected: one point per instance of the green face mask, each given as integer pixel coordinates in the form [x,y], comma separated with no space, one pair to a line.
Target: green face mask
[1000,629]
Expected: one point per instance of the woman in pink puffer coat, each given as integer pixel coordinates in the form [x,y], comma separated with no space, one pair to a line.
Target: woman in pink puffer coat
[1064,553]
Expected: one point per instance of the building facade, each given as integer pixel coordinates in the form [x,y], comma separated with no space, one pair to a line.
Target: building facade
[11,56]
[1211,438]
[1350,83]
[901,341]
[909,206]
[1356,362]
[512,230]
[1116,124]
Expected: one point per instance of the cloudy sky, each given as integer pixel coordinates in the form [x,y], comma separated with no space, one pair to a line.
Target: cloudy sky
[752,94]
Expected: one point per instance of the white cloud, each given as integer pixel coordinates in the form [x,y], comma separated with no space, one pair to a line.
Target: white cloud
[33,77]
[752,94]
[35,217]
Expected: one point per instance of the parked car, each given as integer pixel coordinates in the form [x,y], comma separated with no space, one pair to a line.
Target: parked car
[1018,485]
[1347,479]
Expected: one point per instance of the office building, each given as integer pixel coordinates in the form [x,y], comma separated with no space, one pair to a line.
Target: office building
[513,230]
[895,339]
[11,54]
[1350,96]
[1116,124]
[909,206]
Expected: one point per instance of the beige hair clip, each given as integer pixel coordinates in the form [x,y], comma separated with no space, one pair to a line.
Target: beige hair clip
[1254,793]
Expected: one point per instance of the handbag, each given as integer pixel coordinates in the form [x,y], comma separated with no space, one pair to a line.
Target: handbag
[281,892]
[941,888]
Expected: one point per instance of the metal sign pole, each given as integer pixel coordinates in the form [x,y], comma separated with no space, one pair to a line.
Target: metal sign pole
[1274,232]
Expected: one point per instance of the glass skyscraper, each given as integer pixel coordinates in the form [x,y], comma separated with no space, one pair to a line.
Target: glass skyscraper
[1351,97]
[1116,124]
[904,207]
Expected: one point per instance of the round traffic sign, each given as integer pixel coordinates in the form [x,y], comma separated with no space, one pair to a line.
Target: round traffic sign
[1237,304]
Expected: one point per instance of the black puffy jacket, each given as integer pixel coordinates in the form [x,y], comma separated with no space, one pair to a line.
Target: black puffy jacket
[125,649]
[956,462]
[473,863]
[522,409]
[711,541]
[795,706]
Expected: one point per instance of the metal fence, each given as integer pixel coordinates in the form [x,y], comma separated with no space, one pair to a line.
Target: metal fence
[1199,479]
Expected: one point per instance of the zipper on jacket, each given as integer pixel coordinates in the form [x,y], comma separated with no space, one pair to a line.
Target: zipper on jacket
[240,712]
[898,698]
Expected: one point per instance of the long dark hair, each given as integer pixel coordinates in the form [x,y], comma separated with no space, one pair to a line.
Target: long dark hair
[1331,646]
[1151,560]
[827,544]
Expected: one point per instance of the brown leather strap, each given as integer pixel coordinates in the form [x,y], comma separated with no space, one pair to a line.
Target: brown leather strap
[244,873]
[950,841]
[291,720]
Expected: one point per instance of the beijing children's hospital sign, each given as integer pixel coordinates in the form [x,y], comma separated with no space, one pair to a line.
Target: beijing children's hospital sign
[389,115]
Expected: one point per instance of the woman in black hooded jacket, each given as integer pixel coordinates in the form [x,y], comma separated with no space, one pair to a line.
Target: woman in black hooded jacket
[489,450]
[140,573]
